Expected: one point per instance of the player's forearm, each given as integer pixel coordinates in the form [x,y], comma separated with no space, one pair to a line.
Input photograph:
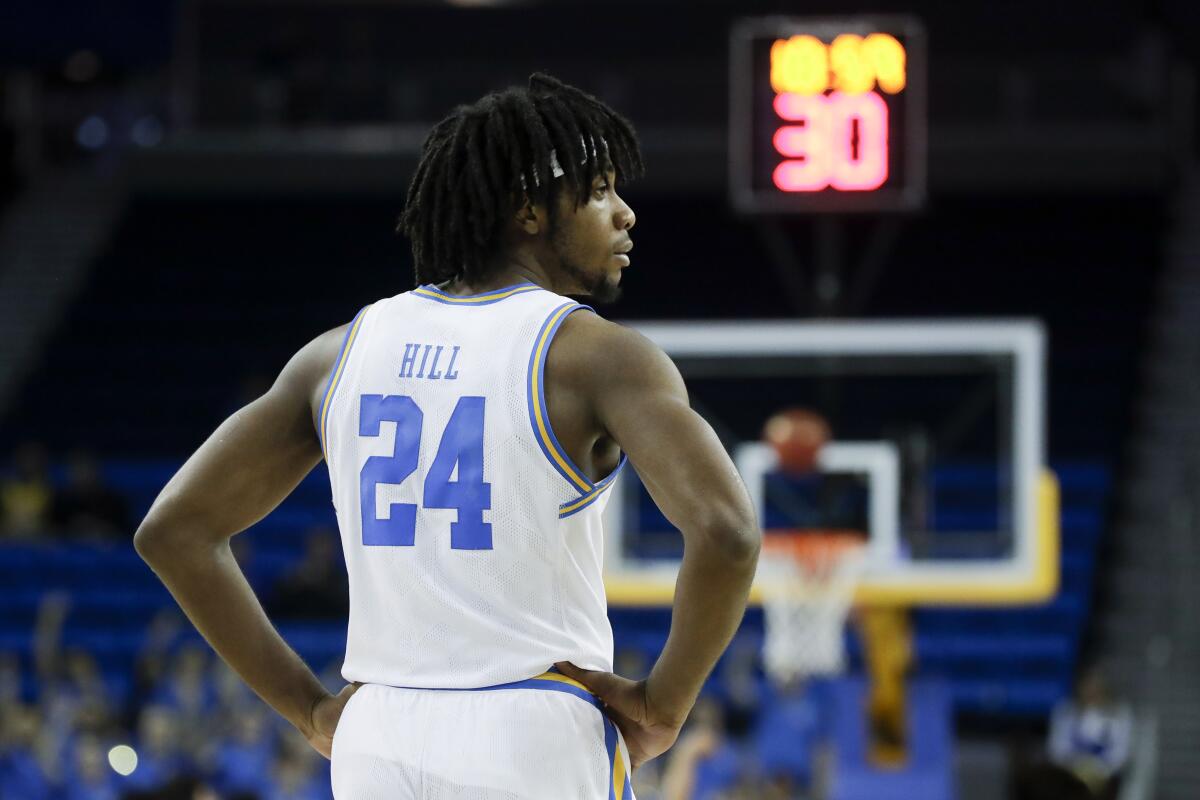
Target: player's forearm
[209,586]
[710,600]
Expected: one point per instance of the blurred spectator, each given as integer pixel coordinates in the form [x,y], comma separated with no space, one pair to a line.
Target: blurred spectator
[26,493]
[316,587]
[24,760]
[242,763]
[86,506]
[1091,736]
[150,668]
[160,759]
[187,690]
[233,695]
[297,774]
[90,777]
[85,684]
[704,764]
[73,694]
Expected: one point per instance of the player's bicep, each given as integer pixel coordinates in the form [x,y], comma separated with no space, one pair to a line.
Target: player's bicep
[644,407]
[253,460]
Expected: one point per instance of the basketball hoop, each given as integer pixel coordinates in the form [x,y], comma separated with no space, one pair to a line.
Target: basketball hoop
[807,579]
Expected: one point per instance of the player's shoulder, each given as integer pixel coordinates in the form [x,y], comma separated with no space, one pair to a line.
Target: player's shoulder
[310,368]
[598,351]
[322,350]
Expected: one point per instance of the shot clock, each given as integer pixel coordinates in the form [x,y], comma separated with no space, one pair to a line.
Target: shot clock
[827,114]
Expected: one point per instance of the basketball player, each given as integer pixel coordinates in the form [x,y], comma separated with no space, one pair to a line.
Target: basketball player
[472,428]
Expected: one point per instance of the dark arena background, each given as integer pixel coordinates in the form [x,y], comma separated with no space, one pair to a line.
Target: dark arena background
[191,191]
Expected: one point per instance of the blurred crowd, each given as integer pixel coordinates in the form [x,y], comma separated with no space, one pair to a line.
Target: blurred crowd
[187,727]
[746,738]
[33,503]
[191,729]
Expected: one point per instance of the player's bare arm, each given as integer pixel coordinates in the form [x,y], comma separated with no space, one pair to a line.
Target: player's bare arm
[242,472]
[639,401]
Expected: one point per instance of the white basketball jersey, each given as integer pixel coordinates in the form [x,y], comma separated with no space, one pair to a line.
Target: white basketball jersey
[473,542]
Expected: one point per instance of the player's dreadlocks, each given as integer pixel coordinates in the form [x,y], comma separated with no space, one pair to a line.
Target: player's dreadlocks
[477,162]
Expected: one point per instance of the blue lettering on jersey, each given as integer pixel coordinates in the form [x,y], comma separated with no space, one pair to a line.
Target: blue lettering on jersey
[399,527]
[410,359]
[424,358]
[410,369]
[461,446]
[437,354]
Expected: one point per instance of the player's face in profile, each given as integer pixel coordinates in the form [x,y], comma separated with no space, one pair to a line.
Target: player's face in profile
[592,240]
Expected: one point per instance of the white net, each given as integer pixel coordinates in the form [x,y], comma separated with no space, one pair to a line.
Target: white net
[806,596]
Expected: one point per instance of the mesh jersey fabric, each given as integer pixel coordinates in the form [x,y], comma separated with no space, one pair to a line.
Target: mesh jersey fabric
[473,544]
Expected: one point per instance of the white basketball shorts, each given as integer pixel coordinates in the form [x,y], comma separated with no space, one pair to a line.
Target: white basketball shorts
[545,738]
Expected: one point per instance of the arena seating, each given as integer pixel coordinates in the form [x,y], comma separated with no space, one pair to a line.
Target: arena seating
[1015,662]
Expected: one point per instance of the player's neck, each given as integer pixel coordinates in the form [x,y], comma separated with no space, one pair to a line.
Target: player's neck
[511,270]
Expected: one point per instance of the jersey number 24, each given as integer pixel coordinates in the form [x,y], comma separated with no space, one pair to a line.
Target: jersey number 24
[461,444]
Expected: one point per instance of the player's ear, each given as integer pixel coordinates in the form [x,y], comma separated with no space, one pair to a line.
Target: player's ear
[530,218]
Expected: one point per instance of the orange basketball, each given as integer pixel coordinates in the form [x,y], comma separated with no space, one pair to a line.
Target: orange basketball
[797,435]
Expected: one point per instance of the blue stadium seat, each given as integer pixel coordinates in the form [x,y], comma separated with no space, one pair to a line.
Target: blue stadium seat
[928,773]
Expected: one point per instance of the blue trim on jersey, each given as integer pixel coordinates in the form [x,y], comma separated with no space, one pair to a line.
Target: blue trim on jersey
[431,292]
[335,378]
[539,417]
[550,686]
[610,744]
[551,680]
[587,498]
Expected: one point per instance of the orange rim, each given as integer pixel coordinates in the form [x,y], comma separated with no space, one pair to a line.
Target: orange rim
[813,546]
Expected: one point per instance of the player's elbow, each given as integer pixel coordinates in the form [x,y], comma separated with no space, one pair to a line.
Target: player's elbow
[159,539]
[743,543]
[735,536]
[151,541]
[174,534]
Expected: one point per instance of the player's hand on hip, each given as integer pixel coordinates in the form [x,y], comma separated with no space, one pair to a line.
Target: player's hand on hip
[647,733]
[325,715]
